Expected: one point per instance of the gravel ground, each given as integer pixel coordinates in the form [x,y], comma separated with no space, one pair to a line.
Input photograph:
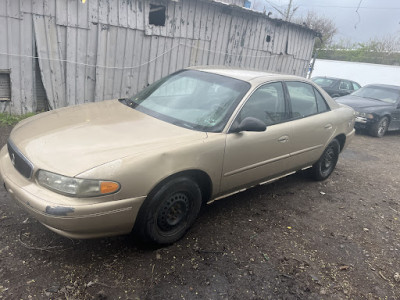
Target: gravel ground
[292,239]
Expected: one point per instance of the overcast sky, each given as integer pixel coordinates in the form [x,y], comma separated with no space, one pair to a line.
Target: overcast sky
[375,18]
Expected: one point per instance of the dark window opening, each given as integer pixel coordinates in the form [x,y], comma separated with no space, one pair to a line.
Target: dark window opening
[157,15]
[5,86]
[268,39]
[39,92]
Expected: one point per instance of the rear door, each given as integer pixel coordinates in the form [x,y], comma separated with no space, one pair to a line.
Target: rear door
[311,124]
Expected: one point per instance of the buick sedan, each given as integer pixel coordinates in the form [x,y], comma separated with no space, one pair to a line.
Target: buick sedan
[148,163]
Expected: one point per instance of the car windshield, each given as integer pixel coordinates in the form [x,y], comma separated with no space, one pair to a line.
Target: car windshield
[384,94]
[323,82]
[193,99]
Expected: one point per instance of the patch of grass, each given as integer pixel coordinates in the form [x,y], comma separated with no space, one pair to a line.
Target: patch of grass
[10,120]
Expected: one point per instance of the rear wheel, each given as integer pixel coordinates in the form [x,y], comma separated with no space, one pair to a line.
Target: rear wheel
[168,212]
[324,167]
[379,128]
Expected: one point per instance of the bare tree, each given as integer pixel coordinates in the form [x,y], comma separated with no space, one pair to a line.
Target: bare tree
[323,25]
[384,44]
[387,43]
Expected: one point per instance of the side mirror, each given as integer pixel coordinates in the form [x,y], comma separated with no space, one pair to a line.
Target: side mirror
[249,124]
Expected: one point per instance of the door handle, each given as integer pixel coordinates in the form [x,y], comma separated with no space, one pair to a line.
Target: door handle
[328,126]
[283,139]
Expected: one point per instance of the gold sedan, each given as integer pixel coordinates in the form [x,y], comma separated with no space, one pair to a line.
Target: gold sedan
[148,163]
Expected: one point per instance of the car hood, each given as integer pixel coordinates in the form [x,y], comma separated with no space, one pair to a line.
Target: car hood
[72,140]
[362,103]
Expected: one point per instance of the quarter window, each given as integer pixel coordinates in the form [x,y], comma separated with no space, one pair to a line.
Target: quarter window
[267,104]
[356,86]
[321,104]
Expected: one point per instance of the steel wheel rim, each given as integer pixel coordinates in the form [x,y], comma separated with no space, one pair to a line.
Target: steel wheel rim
[329,159]
[173,211]
[382,127]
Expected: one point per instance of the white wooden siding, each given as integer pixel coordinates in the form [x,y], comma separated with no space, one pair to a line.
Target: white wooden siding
[107,49]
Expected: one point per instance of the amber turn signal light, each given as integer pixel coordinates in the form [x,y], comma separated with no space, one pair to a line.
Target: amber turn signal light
[108,187]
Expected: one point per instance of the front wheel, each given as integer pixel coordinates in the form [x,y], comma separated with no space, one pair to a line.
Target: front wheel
[324,167]
[379,128]
[168,212]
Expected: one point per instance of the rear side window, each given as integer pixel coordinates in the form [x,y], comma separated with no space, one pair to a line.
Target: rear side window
[345,85]
[321,104]
[302,98]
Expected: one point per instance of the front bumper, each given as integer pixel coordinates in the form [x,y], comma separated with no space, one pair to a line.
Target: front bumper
[70,217]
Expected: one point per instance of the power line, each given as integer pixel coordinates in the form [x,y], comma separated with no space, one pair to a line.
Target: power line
[359,18]
[352,7]
[358,7]
[147,62]
[336,6]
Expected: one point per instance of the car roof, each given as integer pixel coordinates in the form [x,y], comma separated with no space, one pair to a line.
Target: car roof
[252,76]
[334,78]
[396,87]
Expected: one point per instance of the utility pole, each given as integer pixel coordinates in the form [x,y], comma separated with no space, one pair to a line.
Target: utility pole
[287,13]
[288,17]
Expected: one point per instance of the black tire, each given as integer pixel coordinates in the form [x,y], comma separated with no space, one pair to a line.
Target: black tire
[379,128]
[324,167]
[169,211]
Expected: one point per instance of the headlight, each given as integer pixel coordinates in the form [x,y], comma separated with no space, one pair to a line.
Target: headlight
[76,187]
[361,114]
[364,115]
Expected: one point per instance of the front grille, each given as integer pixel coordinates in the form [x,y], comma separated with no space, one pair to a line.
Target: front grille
[20,162]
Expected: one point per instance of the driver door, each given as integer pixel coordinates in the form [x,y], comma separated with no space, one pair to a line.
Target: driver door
[253,157]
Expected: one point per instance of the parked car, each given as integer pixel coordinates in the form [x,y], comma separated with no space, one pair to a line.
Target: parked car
[377,108]
[148,163]
[336,87]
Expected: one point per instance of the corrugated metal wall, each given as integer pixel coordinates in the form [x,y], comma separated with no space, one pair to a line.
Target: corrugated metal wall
[107,49]
[16,50]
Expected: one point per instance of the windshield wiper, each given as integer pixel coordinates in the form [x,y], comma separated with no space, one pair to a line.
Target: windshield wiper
[128,102]
[183,124]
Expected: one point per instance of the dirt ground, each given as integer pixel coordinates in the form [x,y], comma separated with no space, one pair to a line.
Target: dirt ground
[292,239]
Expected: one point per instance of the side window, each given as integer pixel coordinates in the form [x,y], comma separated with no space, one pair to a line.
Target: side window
[302,98]
[345,85]
[267,104]
[356,86]
[321,104]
